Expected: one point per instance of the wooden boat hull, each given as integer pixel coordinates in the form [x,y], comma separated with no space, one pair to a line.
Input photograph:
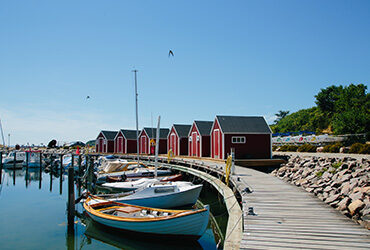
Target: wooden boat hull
[191,225]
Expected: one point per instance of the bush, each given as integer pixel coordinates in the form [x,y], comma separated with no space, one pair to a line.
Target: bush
[290,148]
[321,172]
[356,148]
[336,165]
[365,149]
[307,148]
[332,148]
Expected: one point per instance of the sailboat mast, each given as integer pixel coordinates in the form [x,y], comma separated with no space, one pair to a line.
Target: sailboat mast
[157,146]
[137,119]
[2,133]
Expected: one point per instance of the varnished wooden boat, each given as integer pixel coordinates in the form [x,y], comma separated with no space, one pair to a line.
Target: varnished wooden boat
[165,222]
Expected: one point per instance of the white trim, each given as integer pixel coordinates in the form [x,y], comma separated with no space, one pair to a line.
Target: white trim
[178,143]
[267,124]
[243,139]
[223,145]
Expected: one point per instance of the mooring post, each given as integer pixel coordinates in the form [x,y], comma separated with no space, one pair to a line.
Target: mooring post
[15,159]
[27,159]
[40,160]
[61,175]
[1,166]
[71,196]
[51,178]
[87,169]
[79,165]
[91,167]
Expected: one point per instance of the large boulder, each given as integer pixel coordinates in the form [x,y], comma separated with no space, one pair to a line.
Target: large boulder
[332,198]
[342,205]
[355,206]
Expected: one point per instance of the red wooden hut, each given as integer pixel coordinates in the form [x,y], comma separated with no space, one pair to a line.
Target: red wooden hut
[250,136]
[105,141]
[147,140]
[125,142]
[177,139]
[199,138]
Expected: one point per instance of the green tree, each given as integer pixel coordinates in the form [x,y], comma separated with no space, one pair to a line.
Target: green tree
[280,115]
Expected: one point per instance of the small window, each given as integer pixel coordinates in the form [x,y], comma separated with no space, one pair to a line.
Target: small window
[190,139]
[238,139]
[197,137]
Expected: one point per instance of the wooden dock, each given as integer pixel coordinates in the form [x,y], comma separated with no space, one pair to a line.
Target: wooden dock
[286,216]
[278,215]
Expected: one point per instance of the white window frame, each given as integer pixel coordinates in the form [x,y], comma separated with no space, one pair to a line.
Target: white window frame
[238,140]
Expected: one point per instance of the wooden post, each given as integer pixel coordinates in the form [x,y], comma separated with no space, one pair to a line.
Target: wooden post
[1,166]
[87,169]
[27,159]
[40,172]
[51,178]
[40,160]
[79,165]
[71,196]
[15,159]
[89,176]
[61,175]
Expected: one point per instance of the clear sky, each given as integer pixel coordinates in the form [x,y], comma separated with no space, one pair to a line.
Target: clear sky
[230,58]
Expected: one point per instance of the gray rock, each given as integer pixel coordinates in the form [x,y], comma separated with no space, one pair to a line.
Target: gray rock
[327,189]
[342,205]
[345,188]
[332,198]
[355,206]
[356,196]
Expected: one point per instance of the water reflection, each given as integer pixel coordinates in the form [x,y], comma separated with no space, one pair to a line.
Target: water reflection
[47,221]
[126,240]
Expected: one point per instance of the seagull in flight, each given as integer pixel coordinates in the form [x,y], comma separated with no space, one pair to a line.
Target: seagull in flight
[170,53]
[87,97]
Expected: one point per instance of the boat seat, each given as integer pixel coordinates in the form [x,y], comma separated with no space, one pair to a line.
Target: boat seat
[128,210]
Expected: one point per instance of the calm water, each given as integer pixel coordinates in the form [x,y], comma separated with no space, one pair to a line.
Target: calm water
[33,216]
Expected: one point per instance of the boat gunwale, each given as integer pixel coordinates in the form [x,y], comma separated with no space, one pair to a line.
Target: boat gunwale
[178,213]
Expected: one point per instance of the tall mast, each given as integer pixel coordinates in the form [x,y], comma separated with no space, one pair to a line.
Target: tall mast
[157,146]
[137,119]
[2,133]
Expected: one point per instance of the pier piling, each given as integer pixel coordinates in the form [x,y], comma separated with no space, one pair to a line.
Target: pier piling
[1,166]
[15,160]
[61,175]
[71,196]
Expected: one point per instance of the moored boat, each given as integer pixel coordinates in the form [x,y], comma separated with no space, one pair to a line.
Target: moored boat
[8,161]
[160,195]
[134,183]
[165,222]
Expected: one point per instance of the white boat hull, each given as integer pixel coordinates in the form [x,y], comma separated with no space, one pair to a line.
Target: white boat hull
[166,200]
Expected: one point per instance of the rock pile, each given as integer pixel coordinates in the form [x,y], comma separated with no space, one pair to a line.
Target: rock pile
[343,183]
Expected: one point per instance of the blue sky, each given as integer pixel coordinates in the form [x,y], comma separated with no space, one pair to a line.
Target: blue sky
[231,57]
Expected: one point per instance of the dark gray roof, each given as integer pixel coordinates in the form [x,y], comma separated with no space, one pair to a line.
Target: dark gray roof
[204,127]
[110,135]
[243,124]
[152,132]
[182,130]
[129,134]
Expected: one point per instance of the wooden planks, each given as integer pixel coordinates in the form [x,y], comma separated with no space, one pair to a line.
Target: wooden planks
[289,217]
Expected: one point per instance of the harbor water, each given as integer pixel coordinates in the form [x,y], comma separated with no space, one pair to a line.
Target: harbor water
[33,216]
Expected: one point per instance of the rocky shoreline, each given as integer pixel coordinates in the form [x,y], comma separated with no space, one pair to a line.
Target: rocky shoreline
[343,183]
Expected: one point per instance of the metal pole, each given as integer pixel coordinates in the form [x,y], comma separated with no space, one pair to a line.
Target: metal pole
[157,147]
[40,160]
[137,119]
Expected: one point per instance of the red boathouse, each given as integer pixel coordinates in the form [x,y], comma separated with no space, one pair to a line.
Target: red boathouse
[125,142]
[177,139]
[105,141]
[147,140]
[249,136]
[199,138]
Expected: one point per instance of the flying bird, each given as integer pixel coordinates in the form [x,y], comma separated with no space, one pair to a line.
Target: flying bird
[87,97]
[170,53]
